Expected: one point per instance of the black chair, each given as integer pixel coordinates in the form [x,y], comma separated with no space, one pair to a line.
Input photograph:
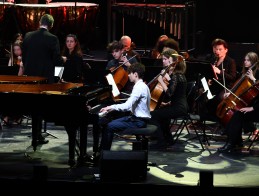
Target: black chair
[184,121]
[255,138]
[141,134]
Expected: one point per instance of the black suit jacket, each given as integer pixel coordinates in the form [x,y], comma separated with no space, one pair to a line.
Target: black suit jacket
[41,53]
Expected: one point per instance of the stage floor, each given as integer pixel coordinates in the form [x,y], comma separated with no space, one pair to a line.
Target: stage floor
[180,165]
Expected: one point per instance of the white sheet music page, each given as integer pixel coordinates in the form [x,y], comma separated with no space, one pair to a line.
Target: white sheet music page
[115,90]
[206,88]
[59,71]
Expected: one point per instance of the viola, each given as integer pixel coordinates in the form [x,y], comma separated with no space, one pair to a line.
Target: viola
[241,95]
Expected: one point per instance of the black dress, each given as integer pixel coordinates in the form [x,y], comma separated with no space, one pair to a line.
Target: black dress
[161,117]
[73,68]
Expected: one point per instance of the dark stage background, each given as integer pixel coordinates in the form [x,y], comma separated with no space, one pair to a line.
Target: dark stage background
[234,21]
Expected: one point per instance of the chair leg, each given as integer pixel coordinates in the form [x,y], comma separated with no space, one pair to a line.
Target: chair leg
[178,131]
[142,144]
[254,139]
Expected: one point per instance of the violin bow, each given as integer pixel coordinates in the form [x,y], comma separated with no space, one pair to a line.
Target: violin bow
[228,90]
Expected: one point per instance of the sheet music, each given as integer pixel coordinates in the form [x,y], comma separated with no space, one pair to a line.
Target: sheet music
[59,71]
[206,88]
[115,90]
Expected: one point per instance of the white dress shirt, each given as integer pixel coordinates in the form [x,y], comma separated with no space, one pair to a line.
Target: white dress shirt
[138,102]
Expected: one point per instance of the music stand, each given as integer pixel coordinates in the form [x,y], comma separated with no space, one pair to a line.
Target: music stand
[195,71]
[199,69]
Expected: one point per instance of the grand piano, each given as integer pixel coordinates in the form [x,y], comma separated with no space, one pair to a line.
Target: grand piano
[62,103]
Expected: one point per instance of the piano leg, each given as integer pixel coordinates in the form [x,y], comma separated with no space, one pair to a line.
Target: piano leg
[94,119]
[83,157]
[36,130]
[71,132]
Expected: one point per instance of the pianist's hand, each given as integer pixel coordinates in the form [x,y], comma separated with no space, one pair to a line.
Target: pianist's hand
[106,109]
[88,107]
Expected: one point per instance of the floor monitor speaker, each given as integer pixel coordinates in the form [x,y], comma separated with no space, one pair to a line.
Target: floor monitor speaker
[127,166]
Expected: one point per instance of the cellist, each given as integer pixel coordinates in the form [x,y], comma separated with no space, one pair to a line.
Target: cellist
[224,68]
[174,103]
[239,119]
[120,58]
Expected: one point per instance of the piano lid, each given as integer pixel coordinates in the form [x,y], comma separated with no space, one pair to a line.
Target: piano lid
[39,88]
[11,79]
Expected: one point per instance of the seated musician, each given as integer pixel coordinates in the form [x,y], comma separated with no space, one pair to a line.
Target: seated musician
[120,58]
[174,104]
[168,43]
[138,104]
[158,48]
[15,60]
[16,57]
[73,60]
[243,119]
[130,47]
[18,37]
[224,68]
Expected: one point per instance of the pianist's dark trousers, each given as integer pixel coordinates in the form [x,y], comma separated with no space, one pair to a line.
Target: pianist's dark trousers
[118,125]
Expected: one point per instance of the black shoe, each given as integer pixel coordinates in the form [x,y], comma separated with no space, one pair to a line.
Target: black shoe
[96,158]
[229,148]
[42,141]
[226,148]
[71,162]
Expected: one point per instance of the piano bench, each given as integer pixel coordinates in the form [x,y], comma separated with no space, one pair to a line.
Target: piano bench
[141,134]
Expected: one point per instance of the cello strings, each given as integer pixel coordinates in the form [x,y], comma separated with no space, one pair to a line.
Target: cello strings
[226,89]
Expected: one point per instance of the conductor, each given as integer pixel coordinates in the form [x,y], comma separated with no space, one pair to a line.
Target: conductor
[41,53]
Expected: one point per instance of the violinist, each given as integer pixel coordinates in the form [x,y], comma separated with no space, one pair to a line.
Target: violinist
[245,116]
[120,59]
[174,102]
[129,47]
[224,68]
[16,57]
[14,60]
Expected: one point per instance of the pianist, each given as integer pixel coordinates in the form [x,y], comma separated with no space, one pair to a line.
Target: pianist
[138,103]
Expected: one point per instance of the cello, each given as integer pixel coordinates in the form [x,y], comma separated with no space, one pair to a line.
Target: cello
[241,95]
[120,75]
[156,89]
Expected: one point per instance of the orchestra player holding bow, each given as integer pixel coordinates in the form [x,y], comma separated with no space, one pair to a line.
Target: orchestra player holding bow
[118,66]
[245,116]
